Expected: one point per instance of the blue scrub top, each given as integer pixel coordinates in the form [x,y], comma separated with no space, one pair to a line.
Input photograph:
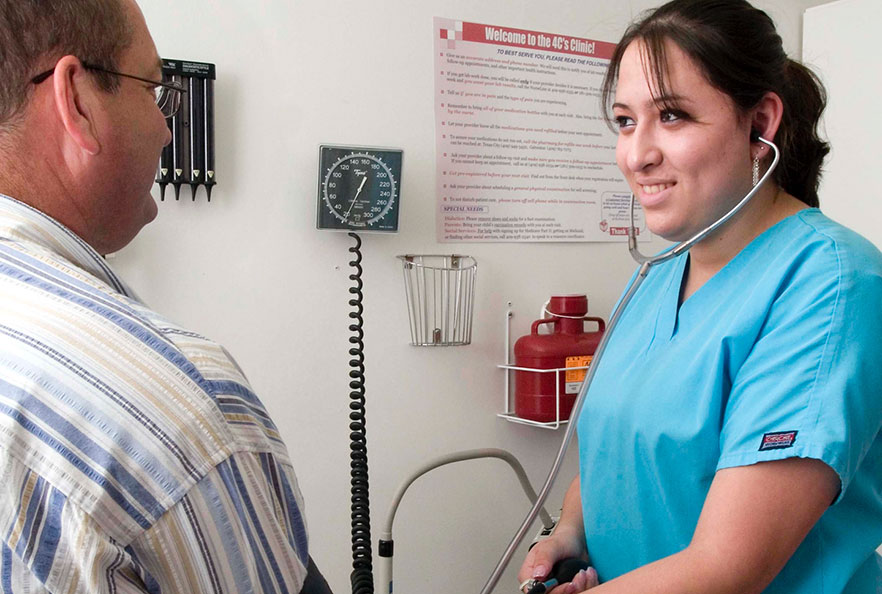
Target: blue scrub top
[776,356]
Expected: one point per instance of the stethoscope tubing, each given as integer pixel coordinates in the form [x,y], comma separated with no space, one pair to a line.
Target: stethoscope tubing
[645,264]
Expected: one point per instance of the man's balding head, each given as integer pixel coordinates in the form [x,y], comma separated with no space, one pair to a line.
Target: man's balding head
[35,33]
[79,144]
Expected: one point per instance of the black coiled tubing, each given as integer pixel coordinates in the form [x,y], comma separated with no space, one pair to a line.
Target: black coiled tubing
[362,577]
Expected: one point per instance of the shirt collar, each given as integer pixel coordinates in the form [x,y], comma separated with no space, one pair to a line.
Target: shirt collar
[22,223]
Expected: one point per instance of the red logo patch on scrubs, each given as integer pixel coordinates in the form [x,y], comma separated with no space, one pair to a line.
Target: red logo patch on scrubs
[778,440]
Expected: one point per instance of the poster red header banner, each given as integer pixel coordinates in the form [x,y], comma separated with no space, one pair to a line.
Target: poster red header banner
[537,41]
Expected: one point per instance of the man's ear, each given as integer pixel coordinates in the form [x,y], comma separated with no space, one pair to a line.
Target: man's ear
[76,102]
[766,116]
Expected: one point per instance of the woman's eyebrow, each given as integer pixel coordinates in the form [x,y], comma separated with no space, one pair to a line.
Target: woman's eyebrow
[670,99]
[666,99]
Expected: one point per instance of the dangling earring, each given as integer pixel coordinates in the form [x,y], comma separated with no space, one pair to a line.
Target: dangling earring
[755,170]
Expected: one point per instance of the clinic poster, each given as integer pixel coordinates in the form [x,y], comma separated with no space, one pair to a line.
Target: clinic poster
[522,151]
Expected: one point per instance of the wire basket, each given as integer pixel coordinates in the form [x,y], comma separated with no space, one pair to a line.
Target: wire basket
[440,298]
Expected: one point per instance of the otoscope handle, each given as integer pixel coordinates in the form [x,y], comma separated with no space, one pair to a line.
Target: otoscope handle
[208,126]
[563,571]
[177,143]
[197,131]
[165,161]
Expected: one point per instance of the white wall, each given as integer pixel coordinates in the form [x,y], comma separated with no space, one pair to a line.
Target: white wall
[251,271]
[847,57]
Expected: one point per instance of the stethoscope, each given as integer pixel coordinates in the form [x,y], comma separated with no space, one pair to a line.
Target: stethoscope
[645,264]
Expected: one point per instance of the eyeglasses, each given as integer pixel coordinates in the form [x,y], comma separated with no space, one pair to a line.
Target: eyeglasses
[168,95]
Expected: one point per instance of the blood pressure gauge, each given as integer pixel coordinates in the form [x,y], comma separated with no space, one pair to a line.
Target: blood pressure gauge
[358,188]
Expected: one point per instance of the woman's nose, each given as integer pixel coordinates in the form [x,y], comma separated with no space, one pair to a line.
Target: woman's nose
[642,150]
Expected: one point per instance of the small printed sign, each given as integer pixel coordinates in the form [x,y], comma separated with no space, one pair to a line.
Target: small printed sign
[575,377]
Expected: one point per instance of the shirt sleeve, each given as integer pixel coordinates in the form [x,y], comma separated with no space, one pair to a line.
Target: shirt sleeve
[810,384]
[50,545]
[240,529]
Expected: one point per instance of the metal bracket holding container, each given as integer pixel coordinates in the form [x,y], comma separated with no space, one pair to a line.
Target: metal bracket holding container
[189,157]
[508,408]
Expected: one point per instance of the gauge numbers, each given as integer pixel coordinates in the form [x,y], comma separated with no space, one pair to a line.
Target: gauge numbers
[358,188]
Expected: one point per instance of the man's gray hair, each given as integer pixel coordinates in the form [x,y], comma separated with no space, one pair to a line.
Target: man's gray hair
[33,33]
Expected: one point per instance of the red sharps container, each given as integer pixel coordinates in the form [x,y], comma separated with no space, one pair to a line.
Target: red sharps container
[567,346]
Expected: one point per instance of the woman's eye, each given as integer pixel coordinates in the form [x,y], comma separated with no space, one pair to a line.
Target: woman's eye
[670,115]
[624,122]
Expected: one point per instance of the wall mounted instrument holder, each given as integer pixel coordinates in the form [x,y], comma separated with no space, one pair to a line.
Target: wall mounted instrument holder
[189,157]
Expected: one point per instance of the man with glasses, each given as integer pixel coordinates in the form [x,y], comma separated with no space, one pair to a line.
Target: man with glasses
[168,94]
[134,456]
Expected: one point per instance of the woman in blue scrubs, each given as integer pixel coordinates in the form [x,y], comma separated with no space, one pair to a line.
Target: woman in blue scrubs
[730,440]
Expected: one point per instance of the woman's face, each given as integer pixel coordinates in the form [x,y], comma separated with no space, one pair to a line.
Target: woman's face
[687,166]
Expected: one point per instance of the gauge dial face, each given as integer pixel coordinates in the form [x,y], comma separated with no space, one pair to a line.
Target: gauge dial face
[358,188]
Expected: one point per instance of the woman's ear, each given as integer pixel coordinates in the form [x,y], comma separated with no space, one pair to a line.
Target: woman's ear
[765,118]
[76,103]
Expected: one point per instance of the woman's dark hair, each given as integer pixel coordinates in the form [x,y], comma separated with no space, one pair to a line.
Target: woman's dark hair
[740,53]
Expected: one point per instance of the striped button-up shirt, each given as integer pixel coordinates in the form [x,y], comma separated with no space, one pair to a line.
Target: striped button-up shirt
[134,456]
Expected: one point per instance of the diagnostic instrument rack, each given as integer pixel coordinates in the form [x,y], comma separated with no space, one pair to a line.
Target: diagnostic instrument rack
[189,158]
